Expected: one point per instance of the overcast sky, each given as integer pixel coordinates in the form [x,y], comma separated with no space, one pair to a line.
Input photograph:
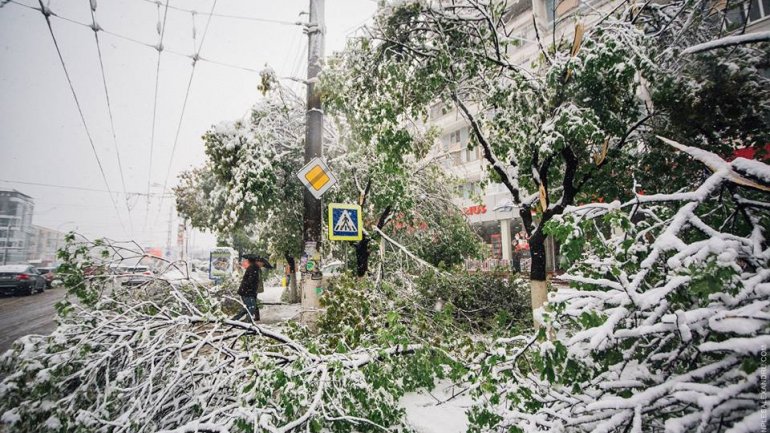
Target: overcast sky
[42,138]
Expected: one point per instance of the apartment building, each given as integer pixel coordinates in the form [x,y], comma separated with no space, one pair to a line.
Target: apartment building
[43,244]
[15,226]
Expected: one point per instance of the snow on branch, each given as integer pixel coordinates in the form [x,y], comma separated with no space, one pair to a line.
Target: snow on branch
[664,323]
[729,41]
[715,163]
[162,357]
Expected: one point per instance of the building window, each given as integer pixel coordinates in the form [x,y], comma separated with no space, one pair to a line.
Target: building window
[471,190]
[746,12]
[438,110]
[550,10]
[454,137]
[471,154]
[453,143]
[446,162]
[758,9]
[456,158]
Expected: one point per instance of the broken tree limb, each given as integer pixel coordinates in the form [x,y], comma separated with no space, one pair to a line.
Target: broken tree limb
[729,41]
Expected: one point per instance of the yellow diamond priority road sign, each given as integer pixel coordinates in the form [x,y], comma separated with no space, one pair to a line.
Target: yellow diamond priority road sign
[317,177]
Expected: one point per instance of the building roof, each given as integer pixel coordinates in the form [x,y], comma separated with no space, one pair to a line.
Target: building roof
[45,229]
[14,192]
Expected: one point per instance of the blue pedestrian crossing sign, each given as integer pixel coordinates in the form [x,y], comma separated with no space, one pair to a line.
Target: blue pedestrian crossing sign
[345,222]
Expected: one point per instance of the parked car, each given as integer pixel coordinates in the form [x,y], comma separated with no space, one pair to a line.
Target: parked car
[135,275]
[49,274]
[20,280]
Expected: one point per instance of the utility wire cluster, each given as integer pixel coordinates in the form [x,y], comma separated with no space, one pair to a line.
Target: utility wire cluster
[159,47]
[47,14]
[186,97]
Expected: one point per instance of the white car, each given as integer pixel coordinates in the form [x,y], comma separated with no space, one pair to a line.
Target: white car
[333,268]
[134,275]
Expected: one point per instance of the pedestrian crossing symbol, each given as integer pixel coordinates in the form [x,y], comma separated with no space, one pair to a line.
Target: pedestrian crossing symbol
[345,222]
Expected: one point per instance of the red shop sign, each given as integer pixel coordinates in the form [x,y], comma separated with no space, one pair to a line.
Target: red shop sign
[475,210]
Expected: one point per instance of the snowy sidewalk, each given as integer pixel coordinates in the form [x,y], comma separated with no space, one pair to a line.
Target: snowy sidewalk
[276,311]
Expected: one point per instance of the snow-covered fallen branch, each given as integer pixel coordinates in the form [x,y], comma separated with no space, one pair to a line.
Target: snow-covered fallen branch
[729,41]
[411,255]
[665,326]
[164,358]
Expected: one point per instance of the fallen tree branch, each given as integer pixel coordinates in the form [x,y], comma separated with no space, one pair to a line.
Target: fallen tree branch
[729,41]
[409,253]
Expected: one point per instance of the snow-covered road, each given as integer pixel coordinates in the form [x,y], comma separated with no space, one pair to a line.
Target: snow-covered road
[437,411]
[23,315]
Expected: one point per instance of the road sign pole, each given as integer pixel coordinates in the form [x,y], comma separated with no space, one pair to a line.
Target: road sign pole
[313,149]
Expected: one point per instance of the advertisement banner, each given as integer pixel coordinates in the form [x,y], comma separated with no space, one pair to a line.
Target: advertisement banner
[221,262]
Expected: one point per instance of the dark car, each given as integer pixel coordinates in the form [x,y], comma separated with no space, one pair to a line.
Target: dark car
[20,280]
[49,274]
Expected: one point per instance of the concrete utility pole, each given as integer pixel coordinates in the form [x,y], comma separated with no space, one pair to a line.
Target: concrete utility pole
[313,148]
[314,116]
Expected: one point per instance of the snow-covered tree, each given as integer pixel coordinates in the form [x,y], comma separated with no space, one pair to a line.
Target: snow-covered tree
[248,187]
[580,123]
[247,191]
[667,324]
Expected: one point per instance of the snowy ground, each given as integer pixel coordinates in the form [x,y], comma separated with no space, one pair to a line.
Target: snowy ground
[426,412]
[273,310]
[430,412]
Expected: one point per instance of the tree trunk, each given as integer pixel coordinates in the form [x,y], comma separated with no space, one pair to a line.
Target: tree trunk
[362,246]
[291,293]
[537,276]
[362,256]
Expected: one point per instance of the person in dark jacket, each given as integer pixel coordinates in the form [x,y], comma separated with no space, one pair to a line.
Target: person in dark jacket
[250,286]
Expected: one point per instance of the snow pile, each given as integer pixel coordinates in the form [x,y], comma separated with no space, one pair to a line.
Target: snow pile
[439,411]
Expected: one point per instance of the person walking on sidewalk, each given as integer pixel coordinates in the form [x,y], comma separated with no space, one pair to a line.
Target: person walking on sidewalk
[251,284]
